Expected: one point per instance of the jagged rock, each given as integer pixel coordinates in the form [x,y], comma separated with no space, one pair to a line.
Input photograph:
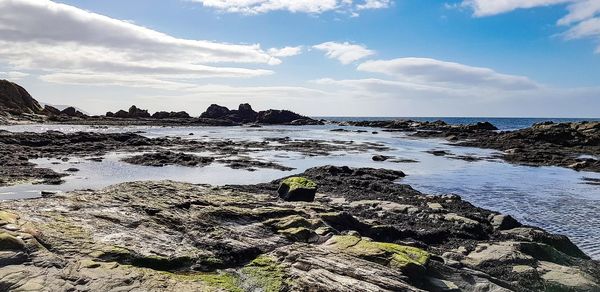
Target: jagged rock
[246,114]
[135,112]
[297,189]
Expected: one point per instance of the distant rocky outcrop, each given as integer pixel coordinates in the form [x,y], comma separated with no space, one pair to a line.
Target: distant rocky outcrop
[133,113]
[15,99]
[170,115]
[245,115]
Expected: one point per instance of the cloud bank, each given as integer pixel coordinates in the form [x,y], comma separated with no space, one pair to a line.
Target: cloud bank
[294,6]
[52,37]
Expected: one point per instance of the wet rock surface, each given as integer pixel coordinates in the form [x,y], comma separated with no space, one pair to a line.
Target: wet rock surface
[572,145]
[164,158]
[18,148]
[363,232]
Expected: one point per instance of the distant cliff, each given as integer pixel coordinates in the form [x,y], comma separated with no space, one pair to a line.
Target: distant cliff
[15,99]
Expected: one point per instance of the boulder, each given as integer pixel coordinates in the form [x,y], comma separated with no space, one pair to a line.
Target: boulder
[504,222]
[215,111]
[297,189]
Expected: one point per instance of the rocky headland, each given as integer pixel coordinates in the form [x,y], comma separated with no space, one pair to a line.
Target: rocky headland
[18,106]
[362,232]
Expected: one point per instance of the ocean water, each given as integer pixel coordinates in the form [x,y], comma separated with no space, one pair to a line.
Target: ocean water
[504,124]
[553,198]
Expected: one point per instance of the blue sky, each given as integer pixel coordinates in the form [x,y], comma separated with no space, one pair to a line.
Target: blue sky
[393,58]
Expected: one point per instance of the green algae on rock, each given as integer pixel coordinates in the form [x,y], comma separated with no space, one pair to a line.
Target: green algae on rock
[389,254]
[297,189]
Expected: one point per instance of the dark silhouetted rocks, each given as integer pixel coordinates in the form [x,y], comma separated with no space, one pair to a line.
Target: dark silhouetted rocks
[215,111]
[170,115]
[246,115]
[51,111]
[16,100]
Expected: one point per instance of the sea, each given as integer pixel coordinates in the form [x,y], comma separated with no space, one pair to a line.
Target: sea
[554,198]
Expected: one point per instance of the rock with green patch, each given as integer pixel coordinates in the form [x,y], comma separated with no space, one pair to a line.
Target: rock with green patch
[405,258]
[9,242]
[262,274]
[297,189]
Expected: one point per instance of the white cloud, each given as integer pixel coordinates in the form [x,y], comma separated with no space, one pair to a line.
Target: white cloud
[294,6]
[494,7]
[582,15]
[13,75]
[346,52]
[580,10]
[58,38]
[285,51]
[374,4]
[446,74]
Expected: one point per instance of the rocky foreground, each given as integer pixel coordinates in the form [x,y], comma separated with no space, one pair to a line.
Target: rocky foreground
[362,233]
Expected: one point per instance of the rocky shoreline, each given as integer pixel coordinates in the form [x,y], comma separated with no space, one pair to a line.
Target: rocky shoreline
[571,145]
[18,148]
[363,231]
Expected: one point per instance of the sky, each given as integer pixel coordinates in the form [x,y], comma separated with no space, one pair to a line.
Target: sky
[403,58]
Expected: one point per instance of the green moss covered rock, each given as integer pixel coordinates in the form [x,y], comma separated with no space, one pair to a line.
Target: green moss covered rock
[297,189]
[406,258]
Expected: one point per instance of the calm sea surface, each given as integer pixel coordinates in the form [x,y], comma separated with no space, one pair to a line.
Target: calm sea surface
[553,198]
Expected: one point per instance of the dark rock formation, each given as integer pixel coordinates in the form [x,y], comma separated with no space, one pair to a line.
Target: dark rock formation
[246,115]
[16,100]
[170,115]
[215,111]
[135,112]
[51,111]
[274,117]
[72,112]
